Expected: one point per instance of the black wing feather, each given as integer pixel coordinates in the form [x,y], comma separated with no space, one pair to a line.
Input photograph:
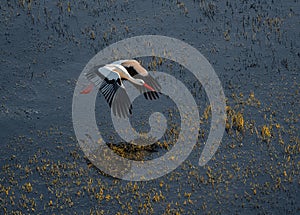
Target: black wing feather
[113,92]
[116,96]
[149,80]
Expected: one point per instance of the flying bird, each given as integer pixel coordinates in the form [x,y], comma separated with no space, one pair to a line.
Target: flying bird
[110,78]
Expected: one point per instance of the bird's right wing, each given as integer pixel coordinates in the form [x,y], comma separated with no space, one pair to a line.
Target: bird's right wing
[136,70]
[149,80]
[136,66]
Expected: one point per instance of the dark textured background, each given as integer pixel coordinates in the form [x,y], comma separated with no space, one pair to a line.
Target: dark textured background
[253,47]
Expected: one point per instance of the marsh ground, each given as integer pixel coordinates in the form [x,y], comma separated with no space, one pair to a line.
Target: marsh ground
[253,47]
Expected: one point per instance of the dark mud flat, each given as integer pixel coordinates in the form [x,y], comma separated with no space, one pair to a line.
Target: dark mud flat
[253,47]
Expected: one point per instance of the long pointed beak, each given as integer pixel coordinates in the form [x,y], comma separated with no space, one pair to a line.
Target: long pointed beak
[88,89]
[148,87]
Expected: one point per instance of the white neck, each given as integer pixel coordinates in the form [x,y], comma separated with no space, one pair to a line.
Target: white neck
[135,81]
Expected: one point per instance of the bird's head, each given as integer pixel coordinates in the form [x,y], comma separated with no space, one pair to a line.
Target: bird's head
[142,83]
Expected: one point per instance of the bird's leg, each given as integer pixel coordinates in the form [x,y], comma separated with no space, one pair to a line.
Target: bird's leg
[88,89]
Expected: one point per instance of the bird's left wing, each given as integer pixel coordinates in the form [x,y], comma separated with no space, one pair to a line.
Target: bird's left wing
[97,74]
[112,88]
[115,94]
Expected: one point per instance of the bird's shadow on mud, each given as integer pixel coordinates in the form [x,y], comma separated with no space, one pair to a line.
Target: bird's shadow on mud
[135,151]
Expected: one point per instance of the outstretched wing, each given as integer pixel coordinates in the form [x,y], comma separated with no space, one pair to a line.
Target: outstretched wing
[94,75]
[136,70]
[112,89]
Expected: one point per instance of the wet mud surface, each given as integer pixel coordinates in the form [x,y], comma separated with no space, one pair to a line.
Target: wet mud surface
[254,49]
